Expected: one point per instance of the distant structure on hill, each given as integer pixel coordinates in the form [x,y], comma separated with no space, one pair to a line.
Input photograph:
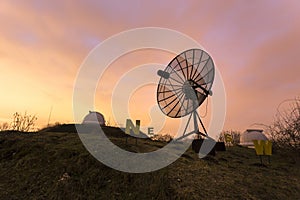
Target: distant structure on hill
[246,138]
[94,118]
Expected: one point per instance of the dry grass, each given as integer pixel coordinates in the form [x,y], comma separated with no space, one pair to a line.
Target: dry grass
[52,165]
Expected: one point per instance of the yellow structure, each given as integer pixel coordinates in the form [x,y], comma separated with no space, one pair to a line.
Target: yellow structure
[130,126]
[228,139]
[263,147]
[268,148]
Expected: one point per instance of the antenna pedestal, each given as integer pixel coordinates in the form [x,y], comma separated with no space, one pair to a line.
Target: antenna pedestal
[196,130]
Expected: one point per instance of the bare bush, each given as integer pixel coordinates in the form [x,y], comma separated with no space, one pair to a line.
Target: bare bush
[4,126]
[234,135]
[163,138]
[24,123]
[285,130]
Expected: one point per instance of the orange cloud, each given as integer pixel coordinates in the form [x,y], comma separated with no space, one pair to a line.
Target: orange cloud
[255,46]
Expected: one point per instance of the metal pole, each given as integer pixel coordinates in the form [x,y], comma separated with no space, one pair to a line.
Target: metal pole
[196,127]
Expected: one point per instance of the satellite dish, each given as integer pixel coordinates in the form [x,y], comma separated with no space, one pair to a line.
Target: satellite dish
[184,85]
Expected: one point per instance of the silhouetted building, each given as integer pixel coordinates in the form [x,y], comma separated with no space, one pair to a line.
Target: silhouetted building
[94,118]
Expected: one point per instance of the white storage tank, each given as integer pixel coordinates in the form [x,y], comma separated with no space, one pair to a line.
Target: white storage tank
[94,118]
[247,137]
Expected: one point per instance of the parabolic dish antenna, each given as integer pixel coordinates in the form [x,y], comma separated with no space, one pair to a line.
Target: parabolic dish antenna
[184,85]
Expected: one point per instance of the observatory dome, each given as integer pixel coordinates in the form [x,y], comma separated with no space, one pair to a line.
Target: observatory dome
[94,118]
[246,138]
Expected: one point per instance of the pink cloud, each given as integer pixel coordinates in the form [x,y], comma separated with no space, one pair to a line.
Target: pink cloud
[255,45]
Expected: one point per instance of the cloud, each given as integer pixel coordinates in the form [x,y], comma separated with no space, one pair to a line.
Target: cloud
[255,45]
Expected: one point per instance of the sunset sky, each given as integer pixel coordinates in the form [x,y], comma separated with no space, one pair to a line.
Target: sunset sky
[255,45]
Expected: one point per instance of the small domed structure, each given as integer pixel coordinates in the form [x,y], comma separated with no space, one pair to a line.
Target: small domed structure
[246,138]
[94,118]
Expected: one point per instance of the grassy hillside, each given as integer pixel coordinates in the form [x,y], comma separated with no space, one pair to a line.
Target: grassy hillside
[55,165]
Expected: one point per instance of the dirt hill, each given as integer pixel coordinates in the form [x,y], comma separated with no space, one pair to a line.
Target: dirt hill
[55,165]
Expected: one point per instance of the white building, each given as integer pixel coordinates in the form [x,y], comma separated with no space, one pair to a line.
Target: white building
[246,138]
[94,118]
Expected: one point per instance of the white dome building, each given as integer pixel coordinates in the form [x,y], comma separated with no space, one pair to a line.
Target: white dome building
[246,138]
[94,118]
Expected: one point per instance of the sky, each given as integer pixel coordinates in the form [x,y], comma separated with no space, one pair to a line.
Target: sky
[254,44]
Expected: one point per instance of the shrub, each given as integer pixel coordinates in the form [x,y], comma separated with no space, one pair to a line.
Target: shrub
[4,126]
[235,135]
[163,138]
[285,130]
[23,123]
